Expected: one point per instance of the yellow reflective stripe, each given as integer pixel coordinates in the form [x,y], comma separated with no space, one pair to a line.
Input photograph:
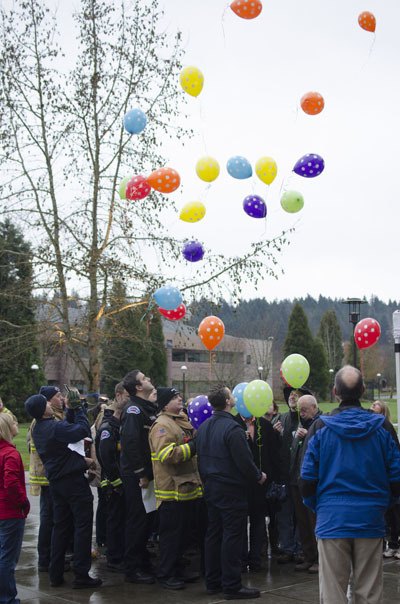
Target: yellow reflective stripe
[163,454]
[104,483]
[117,482]
[187,449]
[41,480]
[197,492]
[154,457]
[33,448]
[184,452]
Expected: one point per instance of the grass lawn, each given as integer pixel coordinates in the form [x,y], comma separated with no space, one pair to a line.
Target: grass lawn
[20,443]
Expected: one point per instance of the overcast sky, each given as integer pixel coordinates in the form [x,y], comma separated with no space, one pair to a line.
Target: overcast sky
[346,241]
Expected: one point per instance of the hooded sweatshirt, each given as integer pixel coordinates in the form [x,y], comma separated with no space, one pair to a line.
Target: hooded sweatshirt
[354,465]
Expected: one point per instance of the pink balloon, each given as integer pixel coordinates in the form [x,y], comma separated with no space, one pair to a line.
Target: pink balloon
[137,188]
[174,315]
[366,333]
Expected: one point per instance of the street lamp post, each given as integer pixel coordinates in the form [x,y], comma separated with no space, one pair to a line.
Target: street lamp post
[184,370]
[378,379]
[354,317]
[331,372]
[260,370]
[35,369]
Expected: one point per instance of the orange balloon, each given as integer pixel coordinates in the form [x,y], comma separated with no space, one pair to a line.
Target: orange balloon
[247,9]
[164,180]
[367,21]
[312,103]
[211,332]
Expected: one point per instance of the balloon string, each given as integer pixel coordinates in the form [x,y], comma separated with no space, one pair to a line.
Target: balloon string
[222,24]
[259,440]
[371,48]
[210,366]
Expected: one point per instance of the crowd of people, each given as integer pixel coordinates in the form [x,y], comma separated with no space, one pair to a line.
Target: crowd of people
[317,491]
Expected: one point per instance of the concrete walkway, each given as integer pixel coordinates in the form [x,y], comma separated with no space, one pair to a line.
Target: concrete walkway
[278,584]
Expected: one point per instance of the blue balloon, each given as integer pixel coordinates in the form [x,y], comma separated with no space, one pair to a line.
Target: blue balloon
[168,297]
[309,166]
[193,251]
[239,167]
[237,394]
[135,121]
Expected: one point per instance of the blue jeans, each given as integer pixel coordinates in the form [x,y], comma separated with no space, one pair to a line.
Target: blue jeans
[11,535]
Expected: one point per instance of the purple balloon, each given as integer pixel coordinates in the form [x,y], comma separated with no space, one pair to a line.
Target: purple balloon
[309,166]
[199,409]
[193,251]
[255,206]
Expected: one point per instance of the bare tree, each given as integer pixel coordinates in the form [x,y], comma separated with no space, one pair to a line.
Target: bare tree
[64,152]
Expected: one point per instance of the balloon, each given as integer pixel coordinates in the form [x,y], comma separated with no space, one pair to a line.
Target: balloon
[191,80]
[193,251]
[312,103]
[258,397]
[164,180]
[266,169]
[309,166]
[137,188]
[211,332]
[193,211]
[122,187]
[207,168]
[237,394]
[295,370]
[292,201]
[366,333]
[168,297]
[367,21]
[174,315]
[255,206]
[246,9]
[199,409]
[135,121]
[239,167]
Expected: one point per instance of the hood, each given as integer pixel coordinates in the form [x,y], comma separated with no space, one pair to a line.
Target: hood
[353,423]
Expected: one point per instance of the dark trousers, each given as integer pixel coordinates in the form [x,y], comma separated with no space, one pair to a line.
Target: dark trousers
[136,526]
[173,524]
[101,518]
[254,541]
[45,527]
[11,535]
[115,528]
[392,518]
[72,503]
[223,545]
[305,522]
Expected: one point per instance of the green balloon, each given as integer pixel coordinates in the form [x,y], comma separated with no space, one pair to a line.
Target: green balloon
[295,370]
[292,201]
[122,187]
[257,397]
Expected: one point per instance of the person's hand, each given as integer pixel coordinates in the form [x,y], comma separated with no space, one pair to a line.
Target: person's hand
[73,399]
[263,478]
[301,432]
[144,482]
[26,506]
[90,463]
[278,427]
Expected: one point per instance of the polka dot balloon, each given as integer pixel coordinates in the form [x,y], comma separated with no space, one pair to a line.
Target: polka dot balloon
[367,21]
[309,166]
[199,410]
[164,180]
[174,315]
[211,332]
[239,167]
[366,333]
[295,370]
[194,211]
[246,9]
[255,206]
[137,188]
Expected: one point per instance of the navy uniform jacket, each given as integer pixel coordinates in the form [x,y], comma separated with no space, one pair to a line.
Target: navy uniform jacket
[52,437]
[108,450]
[225,461]
[137,418]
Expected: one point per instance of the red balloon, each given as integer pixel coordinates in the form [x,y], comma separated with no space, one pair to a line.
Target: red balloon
[367,332]
[137,188]
[174,315]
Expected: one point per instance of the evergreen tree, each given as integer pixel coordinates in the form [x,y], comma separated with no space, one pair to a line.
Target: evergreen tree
[331,337]
[298,338]
[319,374]
[18,331]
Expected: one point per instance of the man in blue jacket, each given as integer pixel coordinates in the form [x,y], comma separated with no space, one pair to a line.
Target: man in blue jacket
[226,467]
[350,471]
[70,491]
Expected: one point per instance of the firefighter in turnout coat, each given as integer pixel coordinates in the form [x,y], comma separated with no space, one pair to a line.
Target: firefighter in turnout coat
[176,482]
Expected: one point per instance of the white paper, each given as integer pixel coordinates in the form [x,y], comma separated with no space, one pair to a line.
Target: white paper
[149,498]
[78,447]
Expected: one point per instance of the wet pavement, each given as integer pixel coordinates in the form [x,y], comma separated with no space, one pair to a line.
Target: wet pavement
[279,584]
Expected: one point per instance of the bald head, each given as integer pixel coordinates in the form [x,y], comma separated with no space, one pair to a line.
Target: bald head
[308,406]
[349,384]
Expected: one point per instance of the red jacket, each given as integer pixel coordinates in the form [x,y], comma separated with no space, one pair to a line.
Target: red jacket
[13,500]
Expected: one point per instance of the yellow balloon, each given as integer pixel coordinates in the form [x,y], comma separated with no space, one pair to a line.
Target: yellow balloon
[193,211]
[207,168]
[266,169]
[191,80]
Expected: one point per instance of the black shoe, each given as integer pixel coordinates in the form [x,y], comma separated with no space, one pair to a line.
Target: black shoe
[57,582]
[285,558]
[172,583]
[244,593]
[86,582]
[214,590]
[116,567]
[140,577]
[188,577]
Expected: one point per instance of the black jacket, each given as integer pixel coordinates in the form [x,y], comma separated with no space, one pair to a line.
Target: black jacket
[264,447]
[108,449]
[298,450]
[137,418]
[290,423]
[225,461]
[52,437]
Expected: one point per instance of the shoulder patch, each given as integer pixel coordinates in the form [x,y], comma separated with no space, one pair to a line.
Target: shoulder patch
[161,431]
[105,434]
[133,409]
